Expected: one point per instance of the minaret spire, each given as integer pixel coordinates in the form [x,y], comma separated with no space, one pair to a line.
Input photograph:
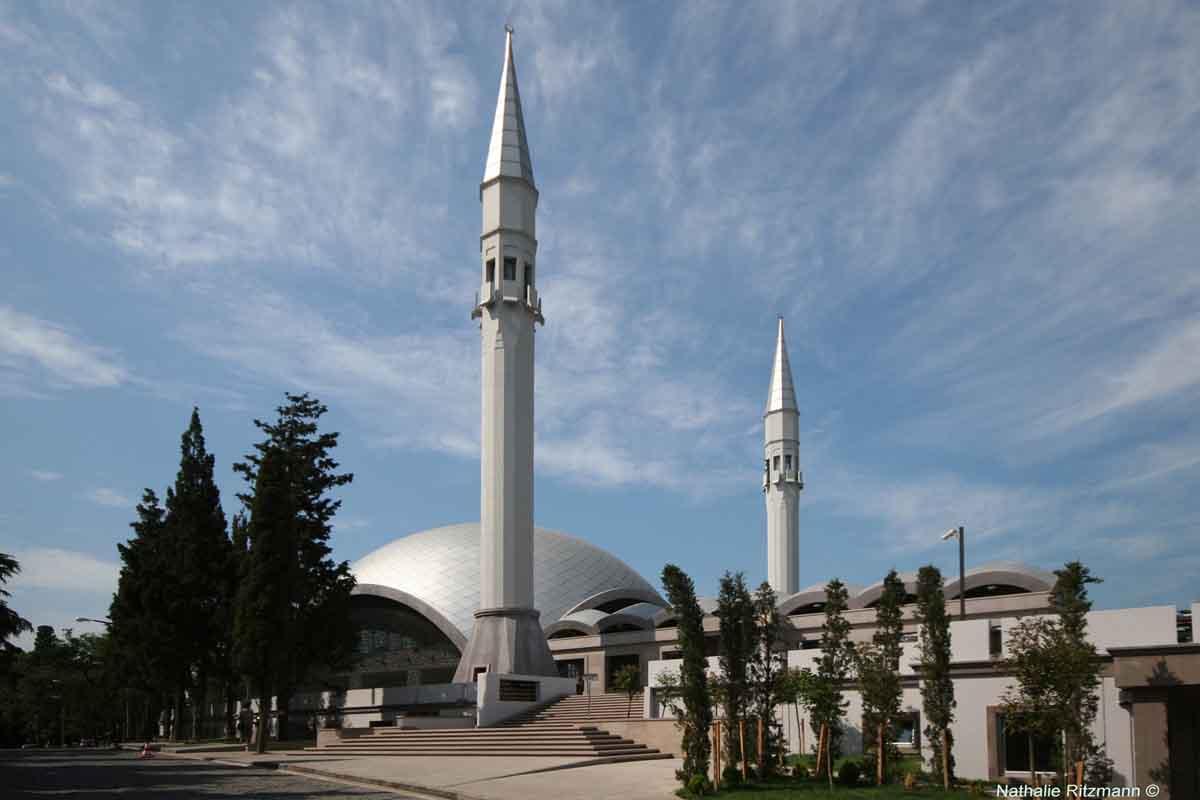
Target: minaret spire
[508,150]
[507,637]
[782,394]
[782,478]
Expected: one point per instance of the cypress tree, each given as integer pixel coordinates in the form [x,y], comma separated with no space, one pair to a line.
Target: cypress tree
[878,666]
[313,627]
[198,545]
[937,689]
[693,675]
[144,637]
[826,703]
[768,666]
[735,608]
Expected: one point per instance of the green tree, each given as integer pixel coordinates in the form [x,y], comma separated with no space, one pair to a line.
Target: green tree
[1079,667]
[144,635]
[695,713]
[878,668]
[1035,650]
[198,546]
[768,667]
[826,704]
[735,609]
[288,555]
[628,681]
[11,623]
[937,689]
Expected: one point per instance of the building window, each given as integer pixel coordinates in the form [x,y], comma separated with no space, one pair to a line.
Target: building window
[776,464]
[906,731]
[995,641]
[787,463]
[528,275]
[1014,749]
[510,269]
[491,270]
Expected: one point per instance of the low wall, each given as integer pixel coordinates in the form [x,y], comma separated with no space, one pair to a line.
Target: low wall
[661,734]
[492,710]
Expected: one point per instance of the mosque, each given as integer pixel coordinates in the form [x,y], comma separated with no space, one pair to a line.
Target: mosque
[441,608]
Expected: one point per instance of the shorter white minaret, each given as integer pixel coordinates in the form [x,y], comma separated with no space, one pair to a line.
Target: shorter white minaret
[782,479]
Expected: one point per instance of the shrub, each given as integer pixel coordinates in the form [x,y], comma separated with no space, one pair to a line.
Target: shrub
[849,773]
[800,771]
[910,781]
[731,776]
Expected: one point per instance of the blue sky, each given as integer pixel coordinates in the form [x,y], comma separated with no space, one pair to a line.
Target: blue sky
[979,222]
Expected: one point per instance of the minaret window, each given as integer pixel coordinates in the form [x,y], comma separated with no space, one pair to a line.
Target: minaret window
[776,463]
[528,274]
[787,463]
[510,269]
[491,270]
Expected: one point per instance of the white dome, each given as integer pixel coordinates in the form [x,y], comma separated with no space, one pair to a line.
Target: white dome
[440,568]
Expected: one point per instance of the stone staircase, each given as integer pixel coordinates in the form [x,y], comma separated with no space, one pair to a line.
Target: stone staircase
[561,728]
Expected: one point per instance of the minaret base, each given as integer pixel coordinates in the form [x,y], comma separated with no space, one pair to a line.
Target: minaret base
[506,640]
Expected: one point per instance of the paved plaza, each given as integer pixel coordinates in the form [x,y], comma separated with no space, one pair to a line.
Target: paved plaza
[102,774]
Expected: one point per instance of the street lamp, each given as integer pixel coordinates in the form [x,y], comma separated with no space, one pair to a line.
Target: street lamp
[962,571]
[107,622]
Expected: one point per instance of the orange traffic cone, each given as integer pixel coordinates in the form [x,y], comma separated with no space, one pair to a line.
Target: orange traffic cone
[146,751]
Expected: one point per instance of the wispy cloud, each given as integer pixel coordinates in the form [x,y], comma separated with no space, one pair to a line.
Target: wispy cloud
[45,475]
[35,353]
[68,570]
[109,497]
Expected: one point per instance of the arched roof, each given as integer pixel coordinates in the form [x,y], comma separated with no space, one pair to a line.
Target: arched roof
[1003,573]
[416,604]
[440,568]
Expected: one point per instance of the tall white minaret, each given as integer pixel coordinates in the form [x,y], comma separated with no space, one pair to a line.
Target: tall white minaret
[782,479]
[507,636]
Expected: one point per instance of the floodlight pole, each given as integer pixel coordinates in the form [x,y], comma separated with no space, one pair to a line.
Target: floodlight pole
[962,575]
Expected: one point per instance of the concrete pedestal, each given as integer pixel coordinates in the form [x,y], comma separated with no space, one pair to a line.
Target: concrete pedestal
[506,640]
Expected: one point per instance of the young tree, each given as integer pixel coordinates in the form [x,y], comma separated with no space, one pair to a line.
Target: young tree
[937,689]
[878,666]
[294,524]
[1032,707]
[735,608]
[768,666]
[826,705]
[696,717]
[198,546]
[628,681]
[1079,665]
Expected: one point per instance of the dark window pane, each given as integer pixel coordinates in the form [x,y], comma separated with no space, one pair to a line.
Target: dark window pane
[510,269]
[491,270]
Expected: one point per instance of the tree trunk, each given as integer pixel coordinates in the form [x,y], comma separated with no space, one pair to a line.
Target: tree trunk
[742,746]
[176,714]
[1033,779]
[879,756]
[946,759]
[282,700]
[199,710]
[264,714]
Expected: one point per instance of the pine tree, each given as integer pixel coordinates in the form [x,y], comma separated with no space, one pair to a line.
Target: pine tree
[199,547]
[825,703]
[11,623]
[735,608]
[297,523]
[697,713]
[768,666]
[878,666]
[937,689]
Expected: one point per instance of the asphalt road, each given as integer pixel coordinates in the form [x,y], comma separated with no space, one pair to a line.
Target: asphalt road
[101,775]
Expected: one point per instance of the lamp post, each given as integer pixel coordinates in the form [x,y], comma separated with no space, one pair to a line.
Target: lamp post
[107,622]
[962,571]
